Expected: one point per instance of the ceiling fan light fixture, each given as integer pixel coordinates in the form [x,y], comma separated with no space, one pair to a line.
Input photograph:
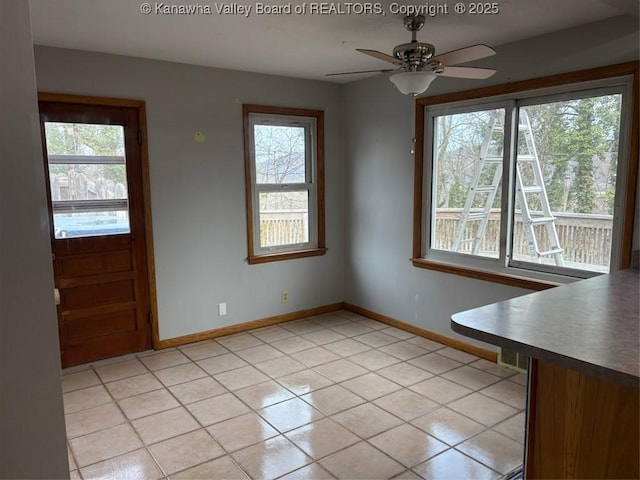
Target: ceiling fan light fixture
[412,83]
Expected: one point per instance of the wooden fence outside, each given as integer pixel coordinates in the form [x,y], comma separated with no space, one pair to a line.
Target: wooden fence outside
[283,227]
[585,239]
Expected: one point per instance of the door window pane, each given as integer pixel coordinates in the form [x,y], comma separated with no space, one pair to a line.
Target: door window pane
[467,174]
[87,175]
[69,225]
[87,181]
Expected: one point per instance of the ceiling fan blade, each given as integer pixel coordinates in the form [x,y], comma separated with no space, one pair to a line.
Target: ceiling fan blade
[380,56]
[468,72]
[361,71]
[463,55]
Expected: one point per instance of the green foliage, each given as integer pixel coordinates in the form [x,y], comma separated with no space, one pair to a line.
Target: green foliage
[576,142]
[571,138]
[84,139]
[457,194]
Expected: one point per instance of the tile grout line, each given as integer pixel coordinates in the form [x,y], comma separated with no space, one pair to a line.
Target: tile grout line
[124,415]
[277,381]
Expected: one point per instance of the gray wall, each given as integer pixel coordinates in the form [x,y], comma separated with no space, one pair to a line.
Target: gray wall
[32,432]
[379,175]
[197,190]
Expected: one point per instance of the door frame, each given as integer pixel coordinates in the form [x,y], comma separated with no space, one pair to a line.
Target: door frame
[139,105]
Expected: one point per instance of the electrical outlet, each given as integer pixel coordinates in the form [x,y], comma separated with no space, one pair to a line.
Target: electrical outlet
[284,296]
[222,309]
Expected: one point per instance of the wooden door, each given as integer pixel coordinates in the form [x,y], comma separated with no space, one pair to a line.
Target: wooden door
[94,177]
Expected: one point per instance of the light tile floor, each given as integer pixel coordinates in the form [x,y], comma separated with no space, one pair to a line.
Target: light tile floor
[332,396]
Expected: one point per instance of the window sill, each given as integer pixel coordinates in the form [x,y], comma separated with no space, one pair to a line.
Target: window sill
[276,257]
[495,277]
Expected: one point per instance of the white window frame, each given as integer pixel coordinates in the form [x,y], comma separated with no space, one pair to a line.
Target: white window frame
[504,266]
[312,122]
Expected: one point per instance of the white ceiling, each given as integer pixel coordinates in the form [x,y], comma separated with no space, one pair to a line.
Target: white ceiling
[304,46]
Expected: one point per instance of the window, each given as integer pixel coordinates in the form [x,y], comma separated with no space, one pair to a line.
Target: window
[528,184]
[88,179]
[284,165]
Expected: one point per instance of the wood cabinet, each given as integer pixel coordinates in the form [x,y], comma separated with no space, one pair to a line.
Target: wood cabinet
[580,426]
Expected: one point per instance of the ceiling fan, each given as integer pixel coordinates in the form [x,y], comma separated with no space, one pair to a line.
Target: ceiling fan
[418,66]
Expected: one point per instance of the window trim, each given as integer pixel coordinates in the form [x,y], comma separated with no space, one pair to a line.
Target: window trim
[314,177]
[308,186]
[544,85]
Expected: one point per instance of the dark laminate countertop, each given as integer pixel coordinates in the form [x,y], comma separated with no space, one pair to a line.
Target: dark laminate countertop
[590,326]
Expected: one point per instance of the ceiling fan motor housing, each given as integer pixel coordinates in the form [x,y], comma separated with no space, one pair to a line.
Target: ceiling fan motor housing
[415,54]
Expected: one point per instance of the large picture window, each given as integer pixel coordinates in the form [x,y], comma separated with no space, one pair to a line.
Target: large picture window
[532,186]
[284,182]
